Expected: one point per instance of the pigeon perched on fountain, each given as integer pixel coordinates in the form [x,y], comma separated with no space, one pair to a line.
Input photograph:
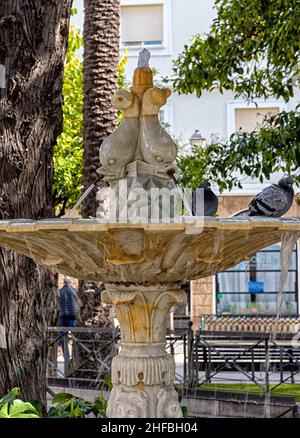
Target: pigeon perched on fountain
[210,200]
[273,201]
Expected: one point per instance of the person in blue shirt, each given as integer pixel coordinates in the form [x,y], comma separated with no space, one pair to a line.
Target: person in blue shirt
[68,313]
[68,305]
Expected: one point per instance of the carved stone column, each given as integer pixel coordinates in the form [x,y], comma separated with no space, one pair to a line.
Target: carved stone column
[143,373]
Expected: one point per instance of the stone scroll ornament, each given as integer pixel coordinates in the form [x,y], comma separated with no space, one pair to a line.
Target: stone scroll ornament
[139,152]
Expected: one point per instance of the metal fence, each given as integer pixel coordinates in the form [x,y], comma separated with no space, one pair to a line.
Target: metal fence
[260,359]
[80,356]
[268,359]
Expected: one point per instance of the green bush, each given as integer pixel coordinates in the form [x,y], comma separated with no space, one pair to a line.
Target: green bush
[64,405]
[12,407]
[67,406]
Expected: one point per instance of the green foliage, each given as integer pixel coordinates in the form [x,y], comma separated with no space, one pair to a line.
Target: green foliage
[67,406]
[68,152]
[184,409]
[12,407]
[64,406]
[292,390]
[274,149]
[74,11]
[122,81]
[193,168]
[99,407]
[253,48]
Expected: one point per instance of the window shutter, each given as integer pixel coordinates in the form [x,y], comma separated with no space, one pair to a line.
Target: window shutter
[251,119]
[141,23]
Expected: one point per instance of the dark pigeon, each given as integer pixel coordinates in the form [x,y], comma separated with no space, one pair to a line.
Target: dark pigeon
[273,201]
[210,200]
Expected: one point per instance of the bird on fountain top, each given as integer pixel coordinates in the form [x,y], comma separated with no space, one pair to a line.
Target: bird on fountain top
[144,58]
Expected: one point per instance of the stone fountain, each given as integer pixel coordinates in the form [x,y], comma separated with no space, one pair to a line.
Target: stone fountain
[141,263]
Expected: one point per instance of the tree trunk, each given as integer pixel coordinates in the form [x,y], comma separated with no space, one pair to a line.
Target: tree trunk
[100,66]
[101,53]
[33,42]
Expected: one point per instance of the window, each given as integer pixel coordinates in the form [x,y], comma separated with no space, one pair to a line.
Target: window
[142,25]
[248,116]
[252,287]
[146,23]
[251,119]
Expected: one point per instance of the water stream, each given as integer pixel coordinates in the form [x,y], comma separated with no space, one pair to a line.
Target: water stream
[184,200]
[288,242]
[81,199]
[92,186]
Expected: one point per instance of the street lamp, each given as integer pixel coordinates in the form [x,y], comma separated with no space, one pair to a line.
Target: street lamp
[197,140]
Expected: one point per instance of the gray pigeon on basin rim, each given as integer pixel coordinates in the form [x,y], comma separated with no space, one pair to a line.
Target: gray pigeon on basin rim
[273,201]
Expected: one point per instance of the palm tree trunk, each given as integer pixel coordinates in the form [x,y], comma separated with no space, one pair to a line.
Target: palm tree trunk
[101,53]
[33,42]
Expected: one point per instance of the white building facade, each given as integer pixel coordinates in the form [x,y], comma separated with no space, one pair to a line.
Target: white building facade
[165,27]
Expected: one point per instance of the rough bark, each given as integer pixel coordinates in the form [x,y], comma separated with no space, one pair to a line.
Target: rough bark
[33,41]
[101,53]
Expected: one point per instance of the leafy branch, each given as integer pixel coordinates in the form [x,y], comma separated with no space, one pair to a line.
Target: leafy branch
[258,154]
[252,49]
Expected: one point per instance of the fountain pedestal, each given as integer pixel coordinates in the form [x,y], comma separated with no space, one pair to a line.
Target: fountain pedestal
[143,373]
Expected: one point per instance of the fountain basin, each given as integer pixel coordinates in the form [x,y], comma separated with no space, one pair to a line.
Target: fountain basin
[142,266]
[173,252]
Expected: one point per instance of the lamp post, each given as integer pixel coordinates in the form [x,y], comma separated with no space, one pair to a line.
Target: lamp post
[197,140]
